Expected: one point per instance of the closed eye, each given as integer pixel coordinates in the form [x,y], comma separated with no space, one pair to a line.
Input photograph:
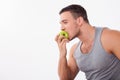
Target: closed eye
[65,22]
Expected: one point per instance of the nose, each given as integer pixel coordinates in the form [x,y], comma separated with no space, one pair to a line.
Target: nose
[62,27]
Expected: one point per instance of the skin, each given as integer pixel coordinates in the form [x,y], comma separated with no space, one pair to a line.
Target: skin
[110,39]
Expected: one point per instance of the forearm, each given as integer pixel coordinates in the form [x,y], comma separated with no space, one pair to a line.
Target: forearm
[63,69]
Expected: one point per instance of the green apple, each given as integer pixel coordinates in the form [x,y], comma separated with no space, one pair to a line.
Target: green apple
[64,33]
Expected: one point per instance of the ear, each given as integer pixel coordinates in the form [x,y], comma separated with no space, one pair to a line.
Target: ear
[80,21]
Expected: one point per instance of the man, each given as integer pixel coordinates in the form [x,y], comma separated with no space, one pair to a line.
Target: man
[97,53]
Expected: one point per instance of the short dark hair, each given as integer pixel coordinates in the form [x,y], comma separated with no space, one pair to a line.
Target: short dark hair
[77,11]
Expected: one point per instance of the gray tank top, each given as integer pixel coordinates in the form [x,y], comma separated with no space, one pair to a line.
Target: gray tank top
[98,64]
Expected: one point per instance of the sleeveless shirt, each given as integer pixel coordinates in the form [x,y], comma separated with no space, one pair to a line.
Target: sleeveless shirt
[97,63]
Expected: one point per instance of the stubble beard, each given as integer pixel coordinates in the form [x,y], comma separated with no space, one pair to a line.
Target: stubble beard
[75,36]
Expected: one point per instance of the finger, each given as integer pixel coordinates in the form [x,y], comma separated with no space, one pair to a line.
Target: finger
[56,38]
[60,38]
[64,41]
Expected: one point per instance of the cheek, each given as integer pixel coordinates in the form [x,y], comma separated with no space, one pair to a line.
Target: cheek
[73,30]
[72,34]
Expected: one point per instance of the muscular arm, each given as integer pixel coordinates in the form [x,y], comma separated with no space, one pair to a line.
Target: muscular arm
[111,41]
[68,69]
[63,69]
[115,43]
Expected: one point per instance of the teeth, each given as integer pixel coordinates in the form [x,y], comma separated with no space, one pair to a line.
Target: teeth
[64,33]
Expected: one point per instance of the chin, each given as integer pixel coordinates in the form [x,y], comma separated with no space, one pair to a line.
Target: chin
[70,39]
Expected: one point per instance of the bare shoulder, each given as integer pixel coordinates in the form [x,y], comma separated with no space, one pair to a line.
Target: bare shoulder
[71,60]
[73,49]
[110,38]
[111,35]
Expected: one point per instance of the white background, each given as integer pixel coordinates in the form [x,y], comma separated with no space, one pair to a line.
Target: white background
[27,31]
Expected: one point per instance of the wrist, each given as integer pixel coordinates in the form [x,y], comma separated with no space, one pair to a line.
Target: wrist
[62,55]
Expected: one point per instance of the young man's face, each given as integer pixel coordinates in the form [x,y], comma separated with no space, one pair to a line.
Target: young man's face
[69,24]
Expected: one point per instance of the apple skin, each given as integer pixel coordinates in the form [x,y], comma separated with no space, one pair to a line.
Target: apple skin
[64,33]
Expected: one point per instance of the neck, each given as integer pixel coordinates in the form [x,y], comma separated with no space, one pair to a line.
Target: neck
[87,33]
